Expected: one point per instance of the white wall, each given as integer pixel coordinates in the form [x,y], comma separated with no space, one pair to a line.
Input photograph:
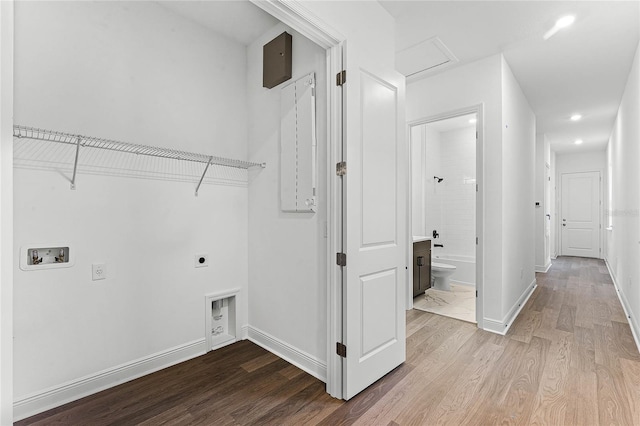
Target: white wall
[508,178]
[463,87]
[432,190]
[135,72]
[287,251]
[418,184]
[367,27]
[518,186]
[542,160]
[6,213]
[426,192]
[554,206]
[623,241]
[449,206]
[588,161]
[458,191]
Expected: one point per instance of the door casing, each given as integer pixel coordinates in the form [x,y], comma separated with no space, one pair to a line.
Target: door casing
[479,111]
[599,209]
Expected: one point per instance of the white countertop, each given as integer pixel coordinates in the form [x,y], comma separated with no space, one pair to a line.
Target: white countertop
[418,238]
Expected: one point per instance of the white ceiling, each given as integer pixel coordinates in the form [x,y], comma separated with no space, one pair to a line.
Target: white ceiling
[582,69]
[238,20]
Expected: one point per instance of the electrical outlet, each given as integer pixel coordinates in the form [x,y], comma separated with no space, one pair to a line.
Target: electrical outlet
[201,260]
[98,271]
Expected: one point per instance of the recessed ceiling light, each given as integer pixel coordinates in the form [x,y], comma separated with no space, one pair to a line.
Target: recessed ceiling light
[578,141]
[473,121]
[561,23]
[565,21]
[576,117]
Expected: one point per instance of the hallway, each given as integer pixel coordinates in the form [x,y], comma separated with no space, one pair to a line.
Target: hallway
[569,359]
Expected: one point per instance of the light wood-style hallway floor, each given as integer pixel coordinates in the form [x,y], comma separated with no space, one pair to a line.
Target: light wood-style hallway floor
[569,359]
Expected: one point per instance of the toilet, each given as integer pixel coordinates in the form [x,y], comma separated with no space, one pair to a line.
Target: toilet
[440,273]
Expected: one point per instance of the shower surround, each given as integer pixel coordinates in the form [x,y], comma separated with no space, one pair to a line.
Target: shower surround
[447,206]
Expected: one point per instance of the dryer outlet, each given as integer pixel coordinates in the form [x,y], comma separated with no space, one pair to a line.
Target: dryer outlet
[201,260]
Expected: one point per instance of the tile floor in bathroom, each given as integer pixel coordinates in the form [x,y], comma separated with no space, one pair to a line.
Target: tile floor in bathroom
[459,303]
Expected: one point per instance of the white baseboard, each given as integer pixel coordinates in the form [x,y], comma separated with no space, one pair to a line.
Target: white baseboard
[300,359]
[464,283]
[244,332]
[633,322]
[543,269]
[70,391]
[501,327]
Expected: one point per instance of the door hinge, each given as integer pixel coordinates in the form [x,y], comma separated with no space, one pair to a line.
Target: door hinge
[341,168]
[476,293]
[341,78]
[476,187]
[476,240]
[341,259]
[341,350]
[476,135]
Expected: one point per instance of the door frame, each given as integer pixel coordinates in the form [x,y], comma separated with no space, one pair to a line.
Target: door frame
[547,215]
[295,15]
[478,109]
[600,210]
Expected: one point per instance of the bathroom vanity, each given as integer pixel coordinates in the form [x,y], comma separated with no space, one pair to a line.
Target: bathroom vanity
[421,265]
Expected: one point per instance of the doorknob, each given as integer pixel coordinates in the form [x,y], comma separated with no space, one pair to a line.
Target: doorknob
[420,261]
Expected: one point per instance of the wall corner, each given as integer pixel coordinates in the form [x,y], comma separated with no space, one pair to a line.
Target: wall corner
[6,212]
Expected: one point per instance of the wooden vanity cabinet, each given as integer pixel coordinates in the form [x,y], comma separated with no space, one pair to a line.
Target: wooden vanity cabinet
[421,267]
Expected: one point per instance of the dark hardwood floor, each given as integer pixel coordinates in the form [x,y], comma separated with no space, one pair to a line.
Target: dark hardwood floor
[569,359]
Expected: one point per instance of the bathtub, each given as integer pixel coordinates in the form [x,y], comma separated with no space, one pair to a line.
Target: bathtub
[465,266]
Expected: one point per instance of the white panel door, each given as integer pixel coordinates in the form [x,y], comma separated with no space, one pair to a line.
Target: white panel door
[580,214]
[375,221]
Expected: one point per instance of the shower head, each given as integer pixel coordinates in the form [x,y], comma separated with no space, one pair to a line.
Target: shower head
[439,179]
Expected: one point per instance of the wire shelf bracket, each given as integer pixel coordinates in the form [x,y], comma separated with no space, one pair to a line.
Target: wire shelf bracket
[112,145]
[75,164]
[203,174]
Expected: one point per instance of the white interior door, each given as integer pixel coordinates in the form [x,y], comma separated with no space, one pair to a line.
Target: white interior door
[580,212]
[375,219]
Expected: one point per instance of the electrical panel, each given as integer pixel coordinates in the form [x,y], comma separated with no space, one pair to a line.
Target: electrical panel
[298,146]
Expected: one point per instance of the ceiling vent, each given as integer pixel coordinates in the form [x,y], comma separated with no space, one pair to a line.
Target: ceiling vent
[425,57]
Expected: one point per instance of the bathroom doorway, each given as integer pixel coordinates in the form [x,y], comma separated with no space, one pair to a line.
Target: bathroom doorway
[446,212]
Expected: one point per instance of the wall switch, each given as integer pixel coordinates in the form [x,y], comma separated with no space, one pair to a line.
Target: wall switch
[98,271]
[201,260]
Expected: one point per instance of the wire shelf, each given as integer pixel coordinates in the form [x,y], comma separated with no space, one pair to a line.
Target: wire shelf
[82,153]
[112,145]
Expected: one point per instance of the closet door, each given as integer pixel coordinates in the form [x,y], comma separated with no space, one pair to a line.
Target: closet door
[374,190]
